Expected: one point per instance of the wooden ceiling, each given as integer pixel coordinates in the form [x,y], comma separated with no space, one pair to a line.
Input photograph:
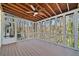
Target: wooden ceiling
[48,9]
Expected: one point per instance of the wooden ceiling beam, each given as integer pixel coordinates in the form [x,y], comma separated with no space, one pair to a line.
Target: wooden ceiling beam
[16,10]
[68,6]
[59,7]
[13,9]
[8,6]
[51,9]
[1,7]
[47,9]
[44,10]
[21,10]
[31,15]
[43,14]
[23,6]
[27,4]
[78,5]
[29,10]
[15,13]
[37,15]
[40,16]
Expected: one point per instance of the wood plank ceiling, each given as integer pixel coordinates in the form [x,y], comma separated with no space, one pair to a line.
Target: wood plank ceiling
[47,9]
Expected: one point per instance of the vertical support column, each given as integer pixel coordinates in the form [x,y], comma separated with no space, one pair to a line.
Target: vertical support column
[27,29]
[0,23]
[54,32]
[50,31]
[64,22]
[75,30]
[44,28]
[22,27]
[21,30]
[34,30]
[16,24]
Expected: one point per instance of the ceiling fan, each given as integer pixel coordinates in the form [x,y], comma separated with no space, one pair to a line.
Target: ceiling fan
[35,11]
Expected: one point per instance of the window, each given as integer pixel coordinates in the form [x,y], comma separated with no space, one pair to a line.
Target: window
[60,30]
[78,33]
[57,31]
[9,27]
[47,29]
[26,29]
[38,30]
[69,31]
[78,29]
[53,24]
[30,32]
[43,30]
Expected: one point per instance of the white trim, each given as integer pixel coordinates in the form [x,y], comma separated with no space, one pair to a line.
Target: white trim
[64,21]
[0,25]
[75,29]
[68,6]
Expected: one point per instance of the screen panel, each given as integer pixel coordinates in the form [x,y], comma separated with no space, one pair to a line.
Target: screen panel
[69,31]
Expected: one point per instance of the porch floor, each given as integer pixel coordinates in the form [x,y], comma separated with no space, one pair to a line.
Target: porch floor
[35,48]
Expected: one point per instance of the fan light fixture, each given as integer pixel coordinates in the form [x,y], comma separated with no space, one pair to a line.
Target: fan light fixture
[34,10]
[35,13]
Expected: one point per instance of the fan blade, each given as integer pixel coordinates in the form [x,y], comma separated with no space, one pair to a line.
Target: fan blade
[41,10]
[30,12]
[34,14]
[32,7]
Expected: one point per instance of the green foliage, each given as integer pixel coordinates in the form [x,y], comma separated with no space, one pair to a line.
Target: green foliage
[70,38]
[70,27]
